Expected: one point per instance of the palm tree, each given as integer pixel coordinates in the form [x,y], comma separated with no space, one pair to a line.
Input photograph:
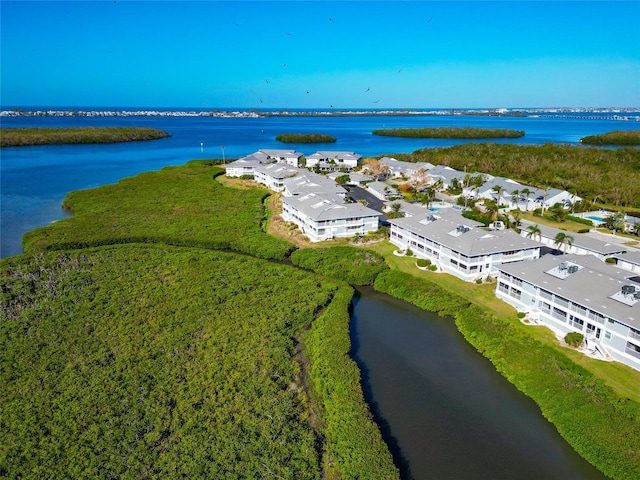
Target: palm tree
[499,191]
[515,195]
[491,207]
[427,197]
[544,199]
[557,212]
[517,215]
[534,231]
[562,240]
[396,211]
[526,192]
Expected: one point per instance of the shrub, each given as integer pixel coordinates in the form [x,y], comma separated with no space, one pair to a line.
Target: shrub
[160,350]
[584,230]
[423,262]
[584,221]
[477,216]
[478,281]
[574,339]
[433,268]
[611,260]
[521,314]
[409,252]
[355,266]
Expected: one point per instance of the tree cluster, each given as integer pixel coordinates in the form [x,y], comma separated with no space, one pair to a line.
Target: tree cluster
[608,175]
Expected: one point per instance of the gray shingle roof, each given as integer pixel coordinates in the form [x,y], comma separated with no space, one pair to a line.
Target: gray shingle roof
[591,286]
[321,207]
[583,241]
[307,181]
[473,242]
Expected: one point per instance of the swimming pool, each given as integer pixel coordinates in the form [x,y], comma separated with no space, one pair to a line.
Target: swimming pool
[597,219]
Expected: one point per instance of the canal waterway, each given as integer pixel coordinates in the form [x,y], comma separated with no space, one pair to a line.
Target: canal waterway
[443,408]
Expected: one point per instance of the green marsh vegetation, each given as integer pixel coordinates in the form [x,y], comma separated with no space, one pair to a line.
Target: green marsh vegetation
[20,137]
[305,138]
[133,347]
[466,133]
[356,266]
[176,206]
[618,137]
[140,361]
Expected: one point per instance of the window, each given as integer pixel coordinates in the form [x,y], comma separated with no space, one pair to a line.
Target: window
[632,350]
[576,322]
[515,293]
[546,294]
[559,314]
[607,335]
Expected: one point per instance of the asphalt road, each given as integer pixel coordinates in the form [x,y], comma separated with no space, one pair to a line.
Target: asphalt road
[373,202]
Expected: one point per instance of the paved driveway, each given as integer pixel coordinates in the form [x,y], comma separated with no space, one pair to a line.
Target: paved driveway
[373,202]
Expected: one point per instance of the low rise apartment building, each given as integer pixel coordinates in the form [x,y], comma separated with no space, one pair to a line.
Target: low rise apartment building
[460,246]
[325,217]
[579,293]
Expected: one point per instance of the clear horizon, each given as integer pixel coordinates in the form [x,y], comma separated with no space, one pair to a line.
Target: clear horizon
[316,55]
[61,108]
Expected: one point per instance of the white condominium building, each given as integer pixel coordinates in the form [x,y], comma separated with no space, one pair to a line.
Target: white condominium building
[323,217]
[579,293]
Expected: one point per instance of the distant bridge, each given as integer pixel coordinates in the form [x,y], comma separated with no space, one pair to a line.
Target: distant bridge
[591,117]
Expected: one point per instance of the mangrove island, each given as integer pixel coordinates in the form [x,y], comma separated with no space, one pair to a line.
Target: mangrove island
[305,138]
[618,137]
[463,133]
[23,137]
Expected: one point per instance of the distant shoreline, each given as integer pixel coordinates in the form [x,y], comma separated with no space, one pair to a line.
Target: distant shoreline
[623,114]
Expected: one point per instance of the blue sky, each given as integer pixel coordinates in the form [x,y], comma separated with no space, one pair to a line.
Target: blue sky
[316,54]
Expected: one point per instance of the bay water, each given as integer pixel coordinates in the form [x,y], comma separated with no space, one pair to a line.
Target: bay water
[35,180]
